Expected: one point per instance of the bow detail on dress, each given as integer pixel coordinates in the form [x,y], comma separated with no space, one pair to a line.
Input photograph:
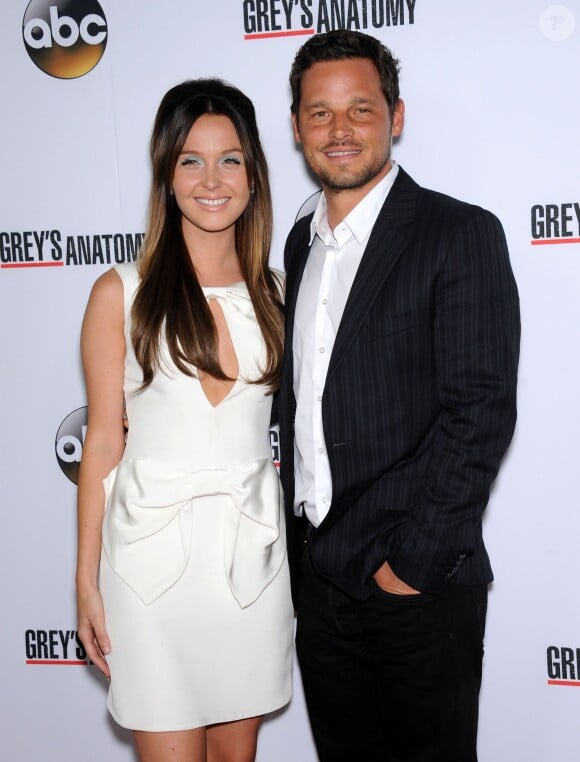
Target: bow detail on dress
[235,299]
[148,523]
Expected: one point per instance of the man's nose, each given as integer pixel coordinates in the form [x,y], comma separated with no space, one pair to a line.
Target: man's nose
[340,126]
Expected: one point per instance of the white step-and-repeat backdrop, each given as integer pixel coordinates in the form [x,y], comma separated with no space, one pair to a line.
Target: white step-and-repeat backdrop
[493,116]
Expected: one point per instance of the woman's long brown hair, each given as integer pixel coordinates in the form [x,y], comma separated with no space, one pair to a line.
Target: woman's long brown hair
[169,299]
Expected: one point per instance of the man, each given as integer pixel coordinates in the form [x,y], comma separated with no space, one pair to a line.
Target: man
[396,407]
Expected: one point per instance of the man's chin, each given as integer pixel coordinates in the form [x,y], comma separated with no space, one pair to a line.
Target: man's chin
[338,184]
[348,181]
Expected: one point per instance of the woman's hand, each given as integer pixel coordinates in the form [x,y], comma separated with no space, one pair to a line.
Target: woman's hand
[91,627]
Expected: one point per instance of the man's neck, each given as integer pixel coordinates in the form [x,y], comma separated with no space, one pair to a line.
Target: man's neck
[340,203]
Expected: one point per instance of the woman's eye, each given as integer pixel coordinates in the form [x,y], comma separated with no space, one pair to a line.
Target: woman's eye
[232,160]
[190,161]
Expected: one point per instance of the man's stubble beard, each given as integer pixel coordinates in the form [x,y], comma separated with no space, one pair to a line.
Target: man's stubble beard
[335,183]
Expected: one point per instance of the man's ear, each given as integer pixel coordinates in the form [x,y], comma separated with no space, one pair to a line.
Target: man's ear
[295,128]
[398,119]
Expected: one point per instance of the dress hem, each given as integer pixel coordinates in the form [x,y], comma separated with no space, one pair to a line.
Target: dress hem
[214,721]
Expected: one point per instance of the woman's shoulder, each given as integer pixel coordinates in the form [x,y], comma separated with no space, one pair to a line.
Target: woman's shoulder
[114,289]
[108,286]
[128,274]
[106,299]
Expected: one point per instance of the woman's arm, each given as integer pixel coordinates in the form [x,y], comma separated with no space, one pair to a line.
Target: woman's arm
[103,355]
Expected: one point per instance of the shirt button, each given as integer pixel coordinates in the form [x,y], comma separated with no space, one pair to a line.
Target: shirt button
[321,449]
[325,500]
[321,350]
[319,398]
[325,301]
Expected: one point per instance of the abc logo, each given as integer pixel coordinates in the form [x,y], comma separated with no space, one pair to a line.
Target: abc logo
[65,39]
[69,442]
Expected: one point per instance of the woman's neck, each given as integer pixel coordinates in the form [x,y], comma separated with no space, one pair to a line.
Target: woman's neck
[214,257]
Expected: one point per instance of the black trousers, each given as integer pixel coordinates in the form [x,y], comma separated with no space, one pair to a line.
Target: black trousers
[392,679]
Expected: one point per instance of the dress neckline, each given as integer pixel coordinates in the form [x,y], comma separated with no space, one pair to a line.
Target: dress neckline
[235,284]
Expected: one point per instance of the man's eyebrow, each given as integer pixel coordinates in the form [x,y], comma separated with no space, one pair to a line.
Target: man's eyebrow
[316,104]
[361,99]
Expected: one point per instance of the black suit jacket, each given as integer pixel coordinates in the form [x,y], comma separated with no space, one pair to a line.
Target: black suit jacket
[419,404]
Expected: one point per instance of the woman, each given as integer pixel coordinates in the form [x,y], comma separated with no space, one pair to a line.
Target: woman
[183,588]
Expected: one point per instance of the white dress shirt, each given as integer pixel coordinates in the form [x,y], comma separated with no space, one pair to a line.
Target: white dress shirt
[328,277]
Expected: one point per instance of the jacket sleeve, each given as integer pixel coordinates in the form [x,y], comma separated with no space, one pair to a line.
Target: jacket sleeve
[476,335]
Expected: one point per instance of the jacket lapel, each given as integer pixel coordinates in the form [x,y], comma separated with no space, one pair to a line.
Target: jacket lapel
[387,242]
[295,270]
[298,254]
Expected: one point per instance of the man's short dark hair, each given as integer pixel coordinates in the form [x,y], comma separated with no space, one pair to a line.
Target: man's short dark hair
[338,45]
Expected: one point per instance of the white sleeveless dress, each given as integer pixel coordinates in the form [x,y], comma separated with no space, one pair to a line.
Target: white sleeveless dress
[193,573]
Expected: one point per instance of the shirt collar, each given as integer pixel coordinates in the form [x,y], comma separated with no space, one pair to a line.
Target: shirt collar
[364,215]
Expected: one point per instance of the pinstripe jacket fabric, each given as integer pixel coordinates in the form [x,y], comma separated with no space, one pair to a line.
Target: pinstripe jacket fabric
[419,404]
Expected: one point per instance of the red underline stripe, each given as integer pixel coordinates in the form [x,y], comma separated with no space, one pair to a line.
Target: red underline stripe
[565,682]
[548,241]
[61,662]
[265,35]
[14,265]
